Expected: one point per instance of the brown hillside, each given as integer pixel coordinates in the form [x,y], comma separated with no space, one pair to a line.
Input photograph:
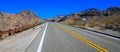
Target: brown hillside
[11,21]
[97,19]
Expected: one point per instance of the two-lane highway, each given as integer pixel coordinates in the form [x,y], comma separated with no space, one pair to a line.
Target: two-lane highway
[56,37]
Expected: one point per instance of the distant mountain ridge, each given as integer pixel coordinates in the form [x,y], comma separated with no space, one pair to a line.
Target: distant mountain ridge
[11,21]
[92,12]
[109,18]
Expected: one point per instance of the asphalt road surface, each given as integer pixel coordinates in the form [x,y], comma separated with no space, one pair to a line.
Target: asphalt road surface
[55,37]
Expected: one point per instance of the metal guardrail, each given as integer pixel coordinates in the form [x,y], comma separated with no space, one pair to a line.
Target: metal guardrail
[16,30]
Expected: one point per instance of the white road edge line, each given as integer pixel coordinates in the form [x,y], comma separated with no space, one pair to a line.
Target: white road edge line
[39,49]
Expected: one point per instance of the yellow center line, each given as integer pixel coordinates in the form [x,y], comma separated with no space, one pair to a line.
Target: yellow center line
[100,49]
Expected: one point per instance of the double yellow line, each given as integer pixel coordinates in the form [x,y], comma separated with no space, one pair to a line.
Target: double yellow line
[100,49]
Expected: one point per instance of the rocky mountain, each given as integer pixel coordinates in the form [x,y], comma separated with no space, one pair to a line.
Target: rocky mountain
[57,19]
[11,21]
[112,11]
[98,19]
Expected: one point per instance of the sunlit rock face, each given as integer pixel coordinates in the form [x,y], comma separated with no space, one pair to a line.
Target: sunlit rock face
[24,18]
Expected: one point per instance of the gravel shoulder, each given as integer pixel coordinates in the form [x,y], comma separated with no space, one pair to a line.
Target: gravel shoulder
[111,32]
[20,41]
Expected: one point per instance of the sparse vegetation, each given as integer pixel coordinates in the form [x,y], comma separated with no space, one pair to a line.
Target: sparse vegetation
[112,23]
[92,24]
[97,19]
[77,24]
[72,23]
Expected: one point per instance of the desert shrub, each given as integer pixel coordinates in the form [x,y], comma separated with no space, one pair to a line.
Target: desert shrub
[112,23]
[72,23]
[80,24]
[93,24]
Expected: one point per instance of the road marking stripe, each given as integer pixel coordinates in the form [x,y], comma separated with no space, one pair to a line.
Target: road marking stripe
[39,49]
[100,49]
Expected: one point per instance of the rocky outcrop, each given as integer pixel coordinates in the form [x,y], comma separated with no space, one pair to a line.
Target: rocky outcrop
[12,21]
[112,11]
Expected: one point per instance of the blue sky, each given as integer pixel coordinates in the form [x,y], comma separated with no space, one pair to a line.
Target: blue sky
[51,8]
